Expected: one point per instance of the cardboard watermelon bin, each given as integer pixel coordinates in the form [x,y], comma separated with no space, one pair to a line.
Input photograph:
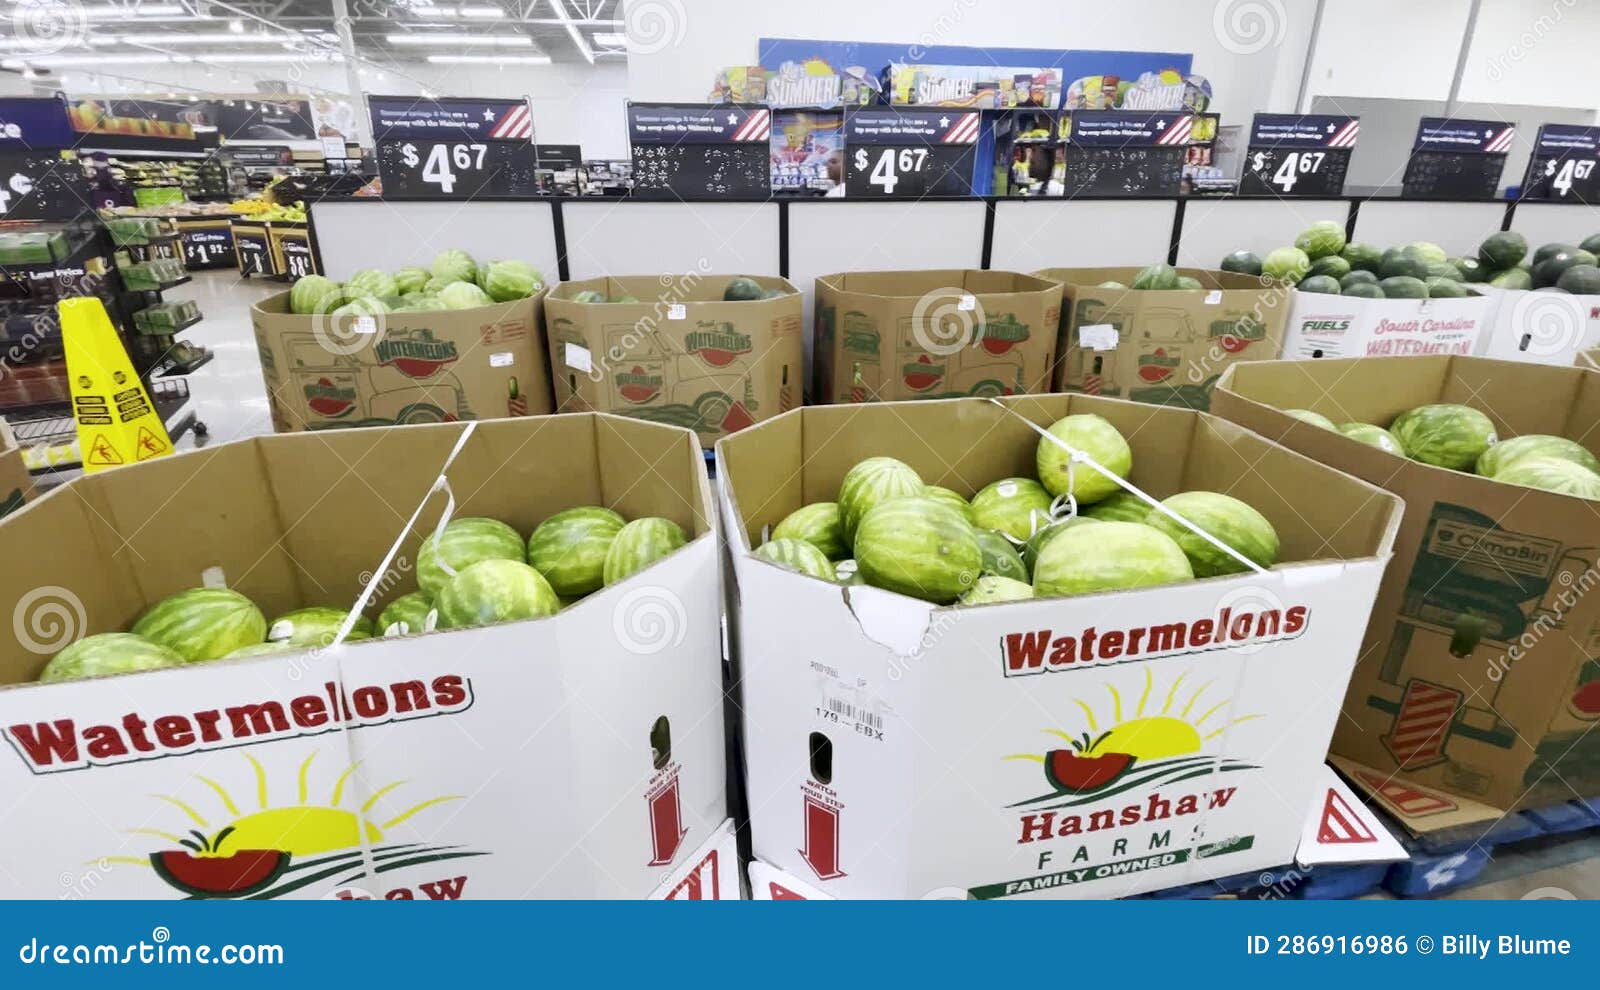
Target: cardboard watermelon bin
[1541,326]
[575,756]
[402,368]
[899,749]
[1165,346]
[676,352]
[1322,325]
[883,336]
[1476,694]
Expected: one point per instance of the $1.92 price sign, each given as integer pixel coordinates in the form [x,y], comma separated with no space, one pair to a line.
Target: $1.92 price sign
[456,169]
[1298,154]
[1563,164]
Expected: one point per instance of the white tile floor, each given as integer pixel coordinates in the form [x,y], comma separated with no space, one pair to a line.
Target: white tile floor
[230,398]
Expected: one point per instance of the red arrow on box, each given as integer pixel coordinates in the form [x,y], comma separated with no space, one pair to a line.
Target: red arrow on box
[822,840]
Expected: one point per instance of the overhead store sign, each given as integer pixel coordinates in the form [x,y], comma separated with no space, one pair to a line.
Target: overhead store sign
[978,87]
[1562,166]
[27,122]
[677,124]
[1457,159]
[1124,128]
[396,117]
[697,150]
[903,153]
[1124,152]
[1298,154]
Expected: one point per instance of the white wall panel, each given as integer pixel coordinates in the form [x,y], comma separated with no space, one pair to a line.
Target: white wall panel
[1563,223]
[1457,227]
[635,237]
[1214,227]
[352,235]
[1069,233]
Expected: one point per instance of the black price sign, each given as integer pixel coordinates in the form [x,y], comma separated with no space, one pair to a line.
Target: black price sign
[41,185]
[207,248]
[1125,152]
[900,153]
[252,250]
[297,260]
[1298,154]
[456,169]
[1562,167]
[696,151]
[1457,159]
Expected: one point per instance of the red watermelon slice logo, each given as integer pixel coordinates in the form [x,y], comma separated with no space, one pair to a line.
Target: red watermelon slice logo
[637,385]
[738,418]
[329,399]
[999,336]
[922,374]
[1157,366]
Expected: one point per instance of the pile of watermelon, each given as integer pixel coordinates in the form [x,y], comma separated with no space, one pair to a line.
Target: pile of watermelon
[1321,260]
[455,281]
[1159,277]
[1462,438]
[475,572]
[739,289]
[1553,267]
[1060,533]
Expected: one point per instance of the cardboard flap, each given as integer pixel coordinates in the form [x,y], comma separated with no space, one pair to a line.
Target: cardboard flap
[768,883]
[891,620]
[1422,810]
[1342,829]
[710,873]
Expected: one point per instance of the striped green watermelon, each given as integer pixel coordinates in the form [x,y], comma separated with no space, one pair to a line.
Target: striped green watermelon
[640,544]
[464,542]
[1500,456]
[1014,506]
[203,623]
[407,615]
[993,588]
[569,548]
[493,591]
[1444,435]
[1108,556]
[1314,418]
[1120,507]
[797,555]
[820,524]
[1036,542]
[263,649]
[1000,557]
[1372,436]
[1094,436]
[953,497]
[1230,520]
[1553,474]
[108,653]
[315,626]
[919,547]
[874,480]
[846,572]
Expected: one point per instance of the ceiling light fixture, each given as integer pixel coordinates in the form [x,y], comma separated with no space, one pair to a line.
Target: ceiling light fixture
[489,59]
[203,38]
[611,40]
[489,40]
[236,26]
[572,30]
[267,58]
[482,13]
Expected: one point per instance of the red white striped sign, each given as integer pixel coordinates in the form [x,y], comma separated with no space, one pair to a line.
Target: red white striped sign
[1422,725]
[1177,132]
[1341,822]
[756,127]
[1501,142]
[964,130]
[516,125]
[1345,137]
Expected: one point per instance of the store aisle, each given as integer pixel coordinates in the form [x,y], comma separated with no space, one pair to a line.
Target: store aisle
[230,396]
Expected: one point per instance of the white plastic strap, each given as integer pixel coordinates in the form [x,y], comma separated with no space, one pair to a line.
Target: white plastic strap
[1076,456]
[441,483]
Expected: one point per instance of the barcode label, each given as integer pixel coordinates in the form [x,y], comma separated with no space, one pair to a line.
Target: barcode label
[855,713]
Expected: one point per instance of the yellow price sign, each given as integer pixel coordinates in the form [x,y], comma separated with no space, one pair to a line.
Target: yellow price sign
[117,422]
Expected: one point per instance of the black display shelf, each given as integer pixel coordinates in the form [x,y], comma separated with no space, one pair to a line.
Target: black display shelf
[173,332]
[173,369]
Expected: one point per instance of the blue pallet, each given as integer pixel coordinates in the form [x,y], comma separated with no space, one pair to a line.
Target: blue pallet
[1563,818]
[1339,883]
[1511,828]
[1426,875]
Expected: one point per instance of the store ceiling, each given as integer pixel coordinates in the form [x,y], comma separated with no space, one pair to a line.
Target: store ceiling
[57,35]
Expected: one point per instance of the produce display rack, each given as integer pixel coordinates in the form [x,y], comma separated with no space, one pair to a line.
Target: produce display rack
[275,249]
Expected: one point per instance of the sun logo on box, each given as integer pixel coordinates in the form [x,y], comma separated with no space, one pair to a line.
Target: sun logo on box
[276,849]
[1146,748]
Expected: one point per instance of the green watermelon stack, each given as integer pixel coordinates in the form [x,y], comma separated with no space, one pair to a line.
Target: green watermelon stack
[639,544]
[1094,436]
[1503,454]
[954,498]
[874,480]
[203,623]
[108,653]
[1108,556]
[1119,507]
[1552,474]
[1445,435]
[1000,558]
[465,542]
[920,547]
[570,548]
[797,555]
[1228,519]
[1013,506]
[492,591]
[820,524]
[315,626]
[992,588]
[406,615]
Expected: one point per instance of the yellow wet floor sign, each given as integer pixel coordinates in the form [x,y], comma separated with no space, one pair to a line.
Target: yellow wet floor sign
[117,423]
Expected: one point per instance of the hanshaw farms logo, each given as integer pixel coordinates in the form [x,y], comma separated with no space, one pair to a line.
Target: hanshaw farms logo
[999,336]
[325,397]
[418,354]
[923,374]
[718,347]
[1234,336]
[637,385]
